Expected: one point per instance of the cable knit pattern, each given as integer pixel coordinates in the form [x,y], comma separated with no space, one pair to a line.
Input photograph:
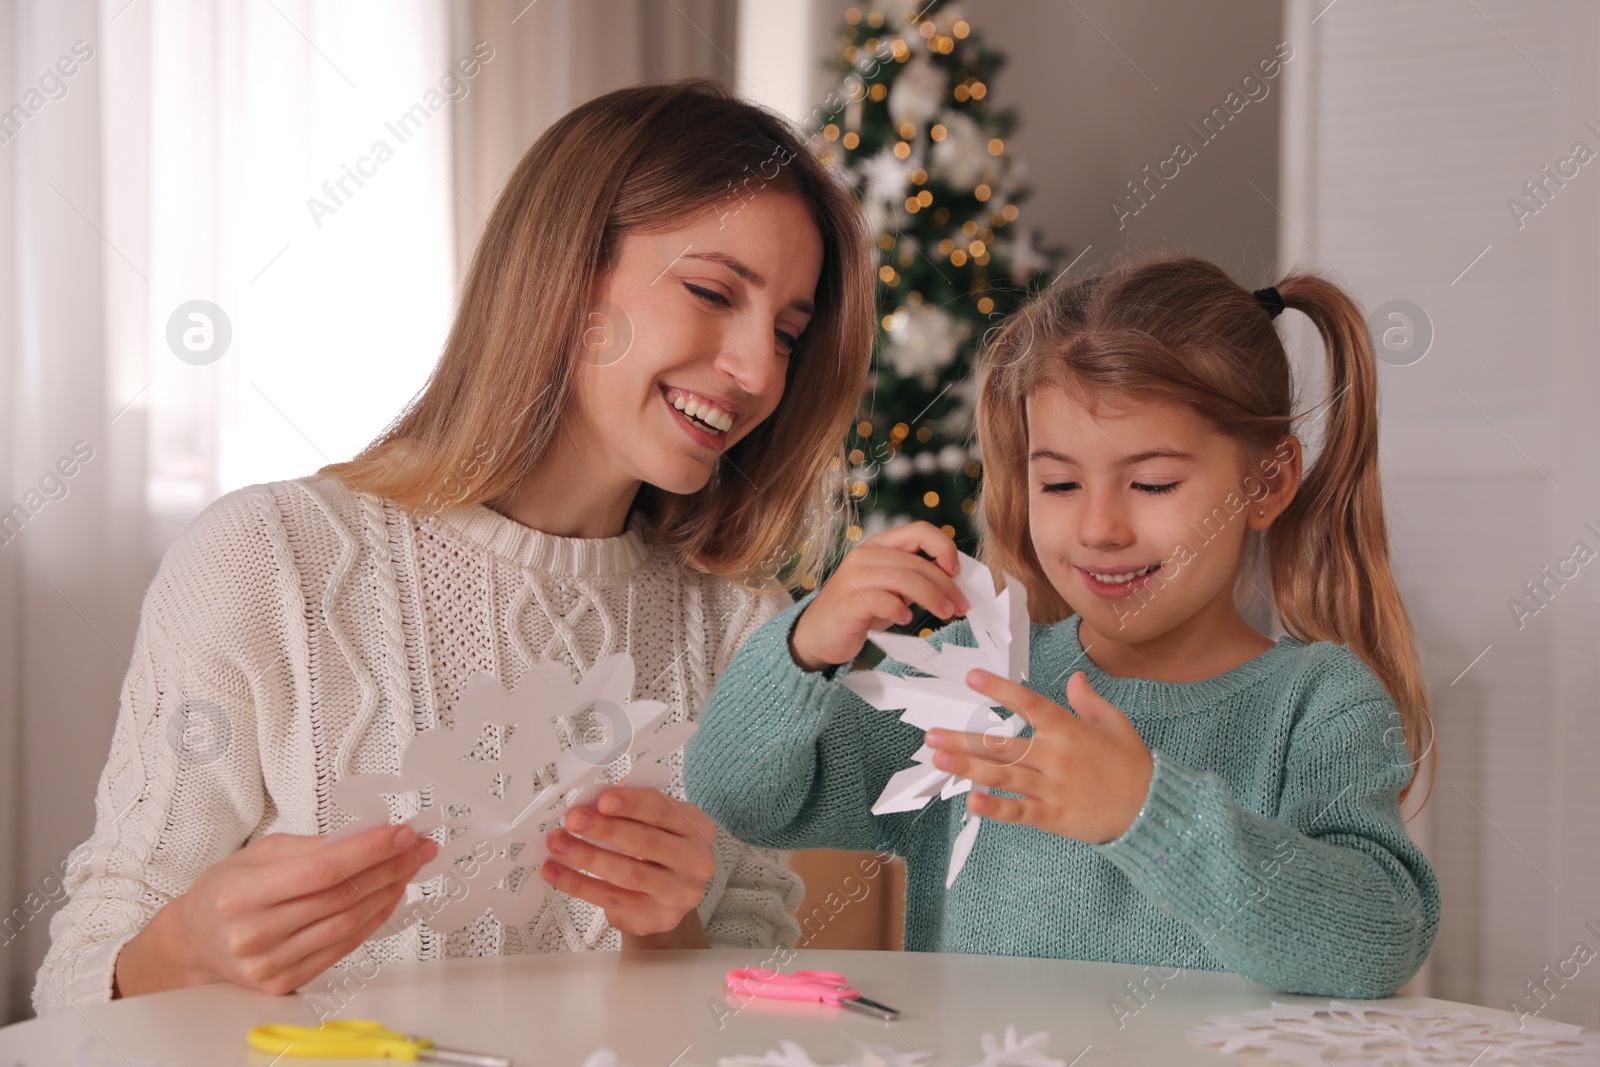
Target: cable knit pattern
[1270,842]
[297,632]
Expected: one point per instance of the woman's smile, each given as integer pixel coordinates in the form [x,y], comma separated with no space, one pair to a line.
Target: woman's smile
[705,419]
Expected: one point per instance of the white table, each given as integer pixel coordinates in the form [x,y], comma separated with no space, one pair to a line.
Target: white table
[659,1009]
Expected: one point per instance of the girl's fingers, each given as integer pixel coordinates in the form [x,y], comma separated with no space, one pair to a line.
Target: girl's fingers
[915,587]
[875,560]
[906,587]
[1038,711]
[1004,809]
[931,572]
[994,747]
[889,589]
[924,537]
[1012,777]
[1086,702]
[874,602]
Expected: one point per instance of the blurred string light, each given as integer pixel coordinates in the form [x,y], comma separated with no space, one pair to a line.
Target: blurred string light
[931,161]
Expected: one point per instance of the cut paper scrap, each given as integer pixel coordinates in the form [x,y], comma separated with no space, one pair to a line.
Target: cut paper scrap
[489,787]
[941,699]
[1009,1051]
[1017,1052]
[1384,1036]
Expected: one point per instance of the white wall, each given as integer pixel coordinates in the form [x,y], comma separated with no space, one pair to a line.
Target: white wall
[1410,129]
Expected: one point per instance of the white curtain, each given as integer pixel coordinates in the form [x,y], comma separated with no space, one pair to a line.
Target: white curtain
[301,167]
[176,165]
[559,53]
[1408,131]
[72,544]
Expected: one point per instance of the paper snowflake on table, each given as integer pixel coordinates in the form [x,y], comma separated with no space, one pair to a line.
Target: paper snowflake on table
[1014,1052]
[491,786]
[1385,1036]
[1009,1052]
[941,698]
[787,1054]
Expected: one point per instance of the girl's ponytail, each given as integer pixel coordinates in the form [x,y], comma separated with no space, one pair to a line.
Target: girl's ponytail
[1178,329]
[1328,552]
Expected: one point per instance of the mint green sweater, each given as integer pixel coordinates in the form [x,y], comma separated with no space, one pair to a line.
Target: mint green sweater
[1270,843]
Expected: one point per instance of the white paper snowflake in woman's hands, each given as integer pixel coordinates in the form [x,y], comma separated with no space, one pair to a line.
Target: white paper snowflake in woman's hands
[491,786]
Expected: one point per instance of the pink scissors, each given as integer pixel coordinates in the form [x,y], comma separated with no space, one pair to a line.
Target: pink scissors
[829,987]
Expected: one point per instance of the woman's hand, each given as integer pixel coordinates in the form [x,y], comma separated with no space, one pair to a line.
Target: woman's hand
[1083,776]
[873,589]
[275,914]
[648,859]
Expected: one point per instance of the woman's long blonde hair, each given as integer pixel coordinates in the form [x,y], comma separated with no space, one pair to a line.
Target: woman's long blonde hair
[1178,328]
[636,160]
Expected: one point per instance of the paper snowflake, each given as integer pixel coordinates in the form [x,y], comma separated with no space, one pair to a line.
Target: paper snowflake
[787,1054]
[491,786]
[940,698]
[1012,1052]
[1385,1036]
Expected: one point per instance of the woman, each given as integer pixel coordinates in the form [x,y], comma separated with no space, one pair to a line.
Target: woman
[635,423]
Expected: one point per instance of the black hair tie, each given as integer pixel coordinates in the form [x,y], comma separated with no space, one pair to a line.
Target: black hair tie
[1270,300]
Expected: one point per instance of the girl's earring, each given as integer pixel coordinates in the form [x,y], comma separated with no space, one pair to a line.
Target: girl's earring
[1261,511]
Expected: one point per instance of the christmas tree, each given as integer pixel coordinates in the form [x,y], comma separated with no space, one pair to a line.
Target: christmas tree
[928,155]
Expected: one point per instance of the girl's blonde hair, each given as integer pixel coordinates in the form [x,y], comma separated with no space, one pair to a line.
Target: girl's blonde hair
[1177,328]
[642,159]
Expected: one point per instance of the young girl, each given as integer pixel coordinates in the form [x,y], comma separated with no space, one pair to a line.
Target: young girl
[659,346]
[1212,799]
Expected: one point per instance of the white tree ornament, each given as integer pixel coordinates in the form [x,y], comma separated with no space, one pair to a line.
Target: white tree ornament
[491,786]
[887,178]
[940,698]
[922,339]
[918,92]
[962,157]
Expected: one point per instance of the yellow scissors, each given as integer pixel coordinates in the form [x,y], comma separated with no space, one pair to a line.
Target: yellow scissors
[359,1039]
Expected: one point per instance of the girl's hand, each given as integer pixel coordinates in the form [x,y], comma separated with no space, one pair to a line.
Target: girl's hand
[275,914]
[653,874]
[1083,776]
[873,589]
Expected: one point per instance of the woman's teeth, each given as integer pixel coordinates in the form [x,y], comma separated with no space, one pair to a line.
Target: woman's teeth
[1120,579]
[714,418]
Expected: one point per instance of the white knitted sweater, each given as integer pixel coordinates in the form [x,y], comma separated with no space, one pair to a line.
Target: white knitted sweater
[297,632]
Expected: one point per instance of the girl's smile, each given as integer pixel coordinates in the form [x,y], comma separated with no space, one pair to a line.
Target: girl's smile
[1124,502]
[1114,581]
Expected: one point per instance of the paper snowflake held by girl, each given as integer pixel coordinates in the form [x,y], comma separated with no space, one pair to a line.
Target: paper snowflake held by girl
[489,788]
[940,699]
